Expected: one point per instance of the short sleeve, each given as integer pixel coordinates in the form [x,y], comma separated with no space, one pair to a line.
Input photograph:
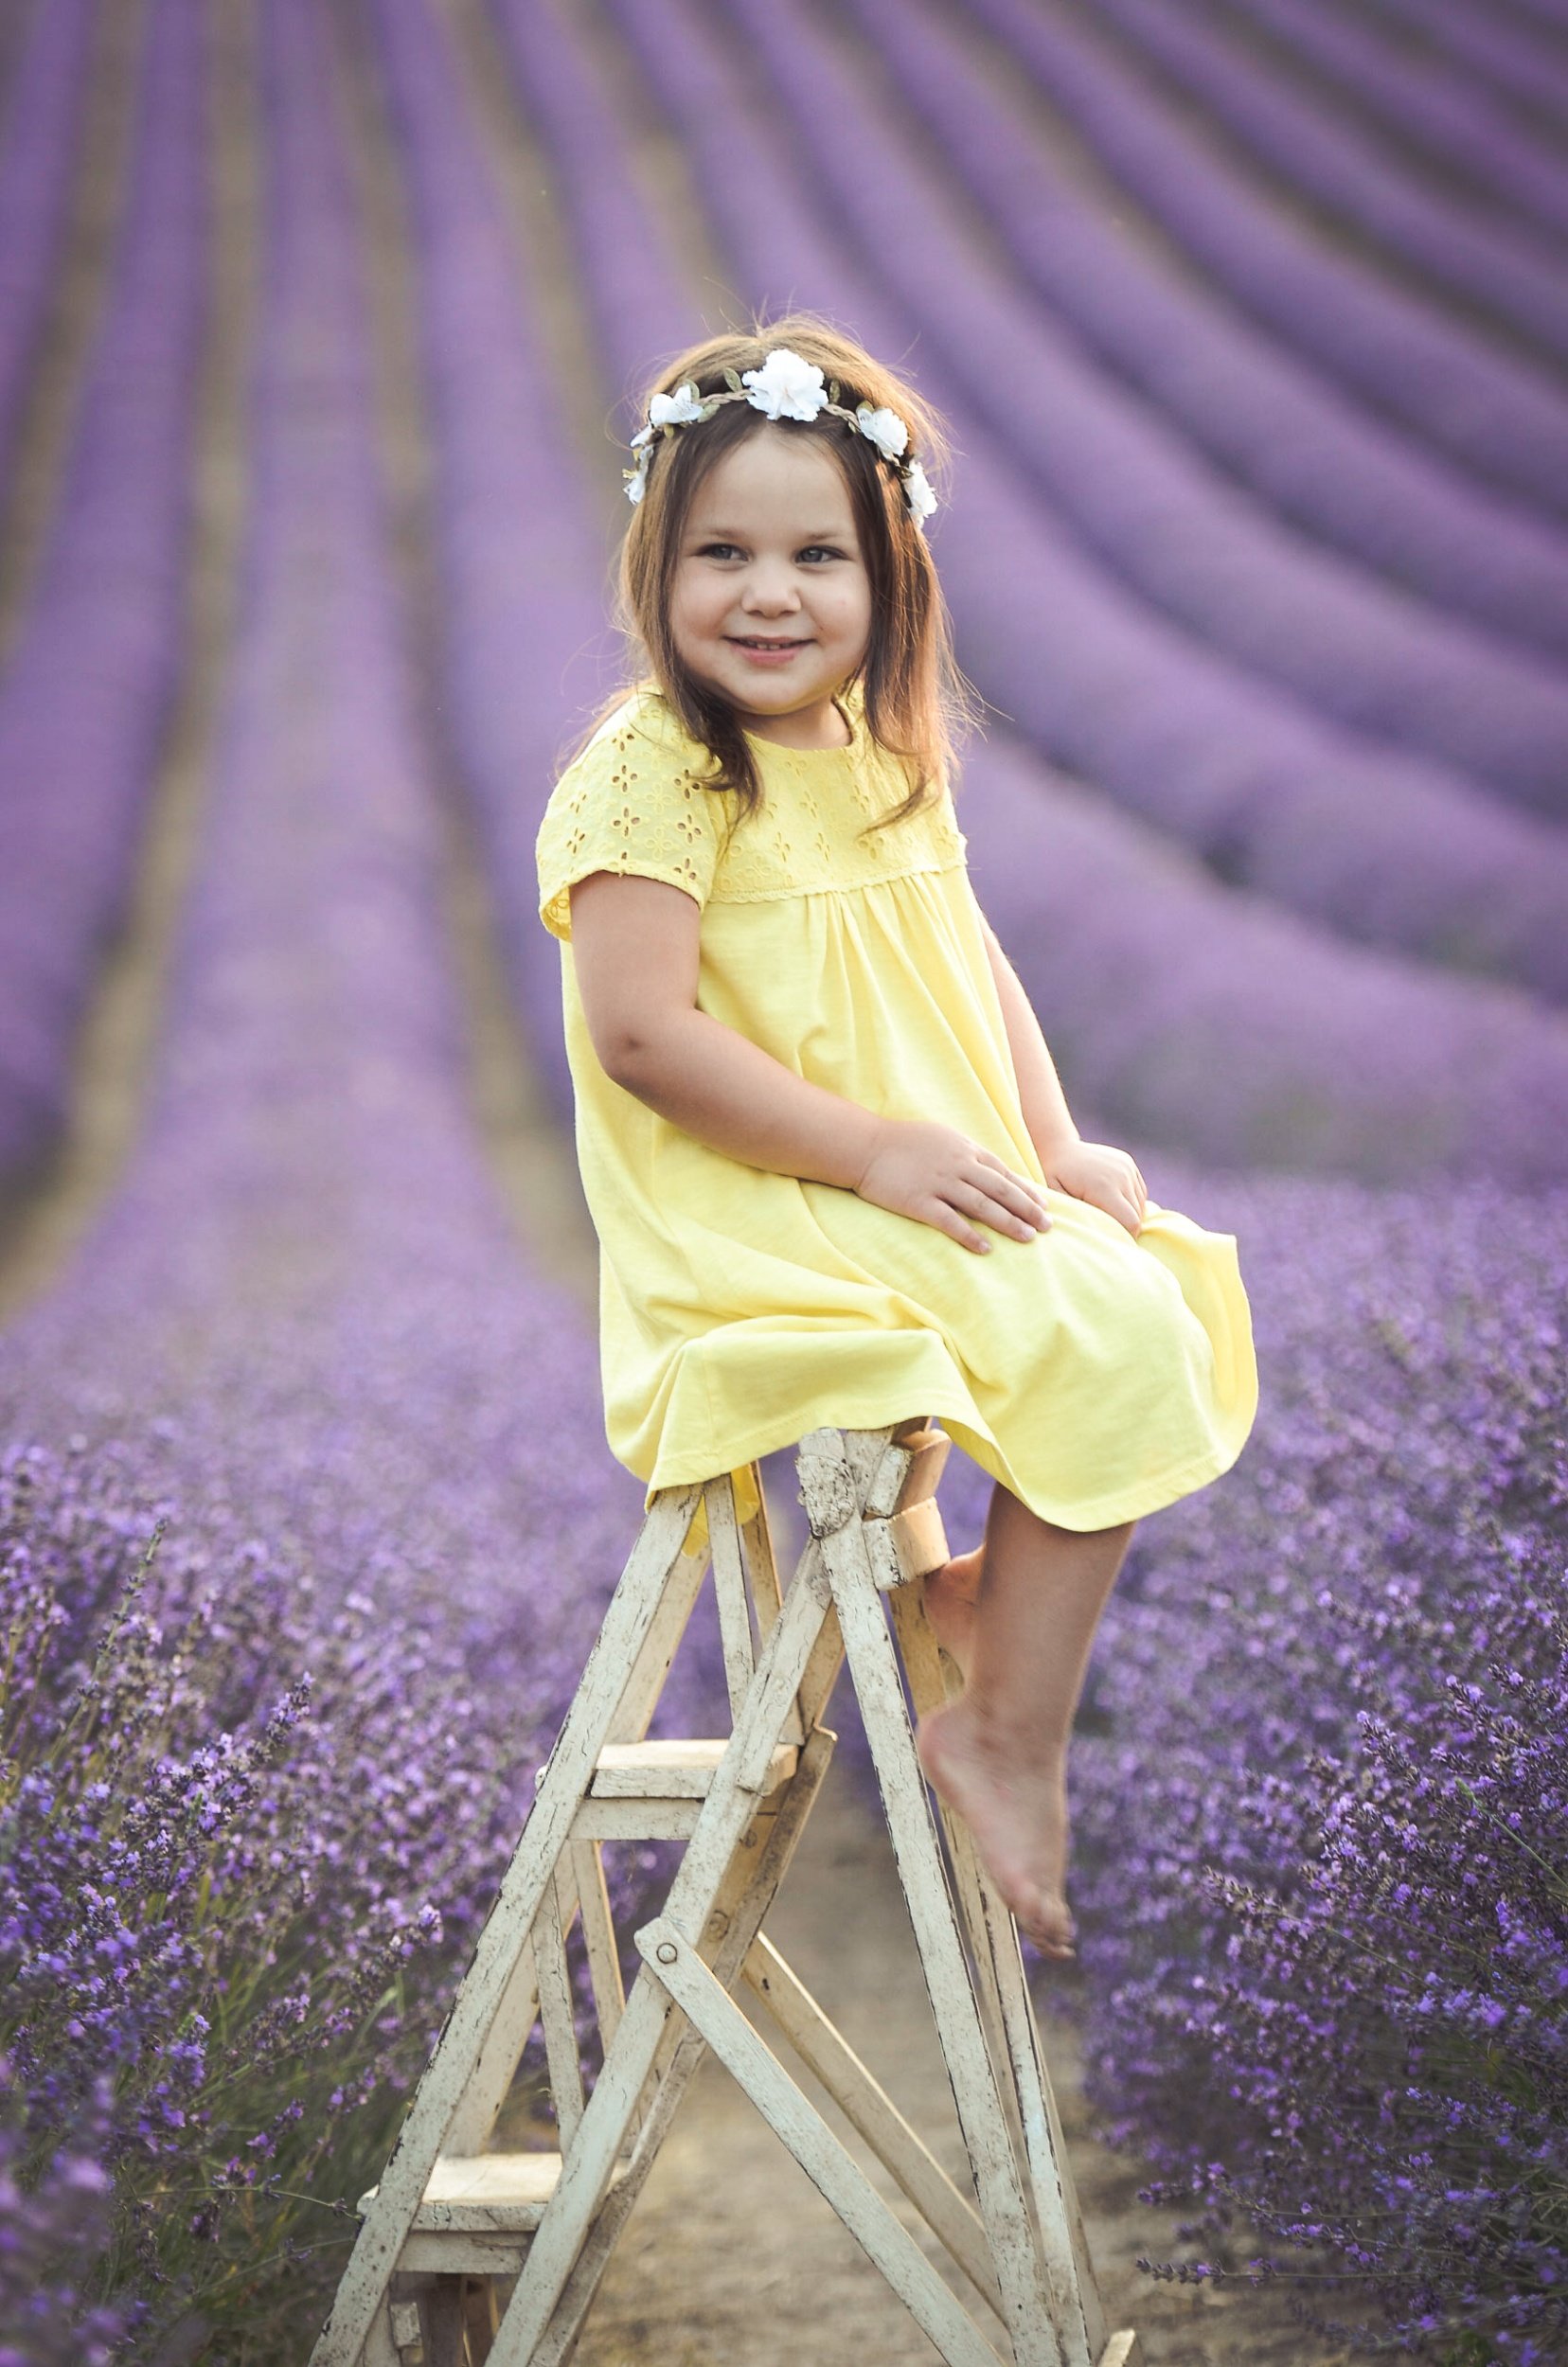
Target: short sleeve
[634,801]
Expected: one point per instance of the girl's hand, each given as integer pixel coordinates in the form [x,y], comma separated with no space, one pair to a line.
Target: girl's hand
[1104,1177]
[938,1175]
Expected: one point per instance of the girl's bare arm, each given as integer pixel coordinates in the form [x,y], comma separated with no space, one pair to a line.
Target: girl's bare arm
[1045,1104]
[637,947]
[1097,1172]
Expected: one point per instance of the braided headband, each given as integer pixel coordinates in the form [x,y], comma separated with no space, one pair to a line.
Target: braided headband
[786,387]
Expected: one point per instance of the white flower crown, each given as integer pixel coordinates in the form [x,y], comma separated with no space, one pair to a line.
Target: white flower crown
[786,387]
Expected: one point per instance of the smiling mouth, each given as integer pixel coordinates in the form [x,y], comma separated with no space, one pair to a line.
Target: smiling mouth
[760,641]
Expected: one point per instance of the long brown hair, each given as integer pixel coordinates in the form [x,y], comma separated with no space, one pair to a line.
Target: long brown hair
[914,697]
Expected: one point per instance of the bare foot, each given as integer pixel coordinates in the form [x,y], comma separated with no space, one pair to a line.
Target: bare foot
[1017,1811]
[952,1593]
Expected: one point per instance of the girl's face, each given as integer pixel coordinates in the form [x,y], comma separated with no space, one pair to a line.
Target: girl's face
[771,604]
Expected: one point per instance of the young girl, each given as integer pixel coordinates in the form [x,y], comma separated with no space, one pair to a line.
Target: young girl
[830,1166]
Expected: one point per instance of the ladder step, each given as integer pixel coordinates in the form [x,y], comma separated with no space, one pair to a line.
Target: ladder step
[484,2190]
[485,2193]
[678,1768]
[479,2212]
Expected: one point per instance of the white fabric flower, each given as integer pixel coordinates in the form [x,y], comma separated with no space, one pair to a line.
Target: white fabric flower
[636,485]
[676,409]
[917,492]
[885,429]
[786,387]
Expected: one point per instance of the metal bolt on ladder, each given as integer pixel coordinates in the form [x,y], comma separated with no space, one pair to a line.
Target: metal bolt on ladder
[448,2219]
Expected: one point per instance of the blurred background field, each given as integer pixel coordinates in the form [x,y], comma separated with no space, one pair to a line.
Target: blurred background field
[322,325]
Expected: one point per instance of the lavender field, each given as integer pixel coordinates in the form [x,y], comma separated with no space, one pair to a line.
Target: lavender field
[319,329]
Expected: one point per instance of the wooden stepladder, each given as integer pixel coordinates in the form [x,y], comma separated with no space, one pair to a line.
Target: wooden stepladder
[449,2222]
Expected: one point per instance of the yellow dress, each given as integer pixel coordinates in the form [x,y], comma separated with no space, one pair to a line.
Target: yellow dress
[1096,1375]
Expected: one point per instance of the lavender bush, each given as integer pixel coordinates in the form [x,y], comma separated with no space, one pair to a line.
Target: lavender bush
[1204,1018]
[1499,415]
[1507,54]
[1513,271]
[631,285]
[1273,418]
[240,1846]
[1444,114]
[522,644]
[53,2235]
[1432,1888]
[40,149]
[1323,1982]
[106,611]
[1546,17]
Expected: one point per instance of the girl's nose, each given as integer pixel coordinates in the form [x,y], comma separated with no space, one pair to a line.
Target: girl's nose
[768,589]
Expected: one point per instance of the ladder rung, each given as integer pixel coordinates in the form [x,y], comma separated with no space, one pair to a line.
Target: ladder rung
[677,1768]
[485,2193]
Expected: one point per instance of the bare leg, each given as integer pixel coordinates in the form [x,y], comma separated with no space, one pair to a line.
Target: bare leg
[997,1754]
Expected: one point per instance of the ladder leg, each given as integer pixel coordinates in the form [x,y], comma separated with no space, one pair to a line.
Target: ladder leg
[727,1811]
[631,1614]
[1033,2312]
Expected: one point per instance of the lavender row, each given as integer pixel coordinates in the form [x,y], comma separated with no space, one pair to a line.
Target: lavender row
[1336,1683]
[1545,17]
[525,651]
[1532,73]
[1111,471]
[1189,1014]
[1498,416]
[1516,276]
[1081,887]
[93,670]
[1092,678]
[40,147]
[1271,419]
[301,1330]
[1439,110]
[637,307]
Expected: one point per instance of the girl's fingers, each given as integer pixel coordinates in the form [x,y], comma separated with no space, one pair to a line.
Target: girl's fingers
[948,1217]
[1019,1192]
[976,1200]
[1024,1183]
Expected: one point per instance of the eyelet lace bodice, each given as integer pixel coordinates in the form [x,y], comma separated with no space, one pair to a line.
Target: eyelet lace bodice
[636,800]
